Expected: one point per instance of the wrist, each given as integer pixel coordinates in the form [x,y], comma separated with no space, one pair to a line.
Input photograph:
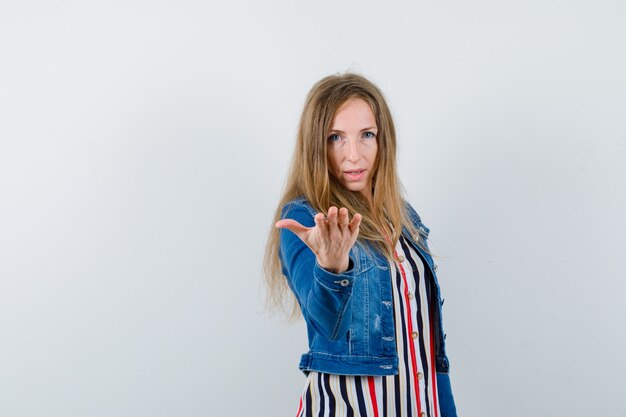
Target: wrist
[334,267]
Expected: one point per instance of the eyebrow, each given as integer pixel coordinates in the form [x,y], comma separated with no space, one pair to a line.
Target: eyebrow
[362,130]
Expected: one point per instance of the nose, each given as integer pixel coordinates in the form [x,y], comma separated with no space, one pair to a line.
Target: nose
[354,155]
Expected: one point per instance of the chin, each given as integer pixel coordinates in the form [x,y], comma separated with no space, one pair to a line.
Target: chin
[357,190]
[353,188]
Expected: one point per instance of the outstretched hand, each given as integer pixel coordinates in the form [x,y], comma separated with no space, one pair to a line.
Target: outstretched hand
[330,239]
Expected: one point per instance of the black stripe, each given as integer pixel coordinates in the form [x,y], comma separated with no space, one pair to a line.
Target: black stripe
[385,380]
[359,395]
[320,389]
[405,343]
[396,386]
[420,319]
[344,395]
[428,372]
[309,401]
[332,403]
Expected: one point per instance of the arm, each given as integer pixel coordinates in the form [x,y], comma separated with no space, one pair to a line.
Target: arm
[324,296]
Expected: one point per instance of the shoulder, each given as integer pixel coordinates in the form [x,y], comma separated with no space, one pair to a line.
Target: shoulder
[298,209]
[298,203]
[415,218]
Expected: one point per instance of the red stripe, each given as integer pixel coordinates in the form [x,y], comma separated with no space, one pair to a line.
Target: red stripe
[370,382]
[299,408]
[411,343]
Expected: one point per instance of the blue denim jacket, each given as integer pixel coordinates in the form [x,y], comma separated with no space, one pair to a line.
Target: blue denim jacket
[350,328]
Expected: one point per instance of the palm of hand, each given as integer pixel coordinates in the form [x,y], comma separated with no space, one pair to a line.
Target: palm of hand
[330,239]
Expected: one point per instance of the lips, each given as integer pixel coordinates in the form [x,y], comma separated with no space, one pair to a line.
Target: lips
[355,174]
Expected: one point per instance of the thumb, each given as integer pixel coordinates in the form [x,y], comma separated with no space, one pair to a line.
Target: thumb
[292,225]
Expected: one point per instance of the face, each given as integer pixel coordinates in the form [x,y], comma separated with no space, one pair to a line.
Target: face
[352,146]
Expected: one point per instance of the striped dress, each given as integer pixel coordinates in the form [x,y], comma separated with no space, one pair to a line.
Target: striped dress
[413,392]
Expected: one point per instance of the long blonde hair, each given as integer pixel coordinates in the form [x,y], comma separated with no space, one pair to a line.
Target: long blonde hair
[309,177]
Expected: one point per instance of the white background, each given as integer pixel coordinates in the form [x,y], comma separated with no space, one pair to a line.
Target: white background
[143,147]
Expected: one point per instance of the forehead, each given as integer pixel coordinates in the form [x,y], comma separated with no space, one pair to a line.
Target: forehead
[354,112]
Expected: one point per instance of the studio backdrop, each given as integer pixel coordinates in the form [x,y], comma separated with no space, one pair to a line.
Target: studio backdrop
[144,146]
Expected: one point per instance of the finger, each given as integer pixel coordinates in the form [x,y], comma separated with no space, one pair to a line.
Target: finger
[333,228]
[355,223]
[292,225]
[320,222]
[344,220]
[332,216]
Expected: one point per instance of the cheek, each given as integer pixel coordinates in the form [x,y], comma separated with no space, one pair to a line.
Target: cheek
[331,158]
[373,154]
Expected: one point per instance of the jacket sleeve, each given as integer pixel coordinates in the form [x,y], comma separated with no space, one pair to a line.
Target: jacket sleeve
[324,296]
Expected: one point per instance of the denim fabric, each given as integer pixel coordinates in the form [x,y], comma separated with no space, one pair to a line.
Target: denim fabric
[349,316]
[447,407]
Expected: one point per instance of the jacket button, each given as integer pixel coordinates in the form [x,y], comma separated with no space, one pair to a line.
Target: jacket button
[435,268]
[422,414]
[400,258]
[411,296]
[344,282]
[414,335]
[420,375]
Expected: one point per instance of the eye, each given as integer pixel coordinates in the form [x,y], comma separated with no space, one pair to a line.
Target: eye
[334,138]
[369,135]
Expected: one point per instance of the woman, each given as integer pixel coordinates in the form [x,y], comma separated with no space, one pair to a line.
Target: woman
[352,256]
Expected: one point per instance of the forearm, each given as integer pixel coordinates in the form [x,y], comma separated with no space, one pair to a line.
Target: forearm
[324,295]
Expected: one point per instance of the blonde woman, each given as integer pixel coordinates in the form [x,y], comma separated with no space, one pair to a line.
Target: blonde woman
[350,255]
